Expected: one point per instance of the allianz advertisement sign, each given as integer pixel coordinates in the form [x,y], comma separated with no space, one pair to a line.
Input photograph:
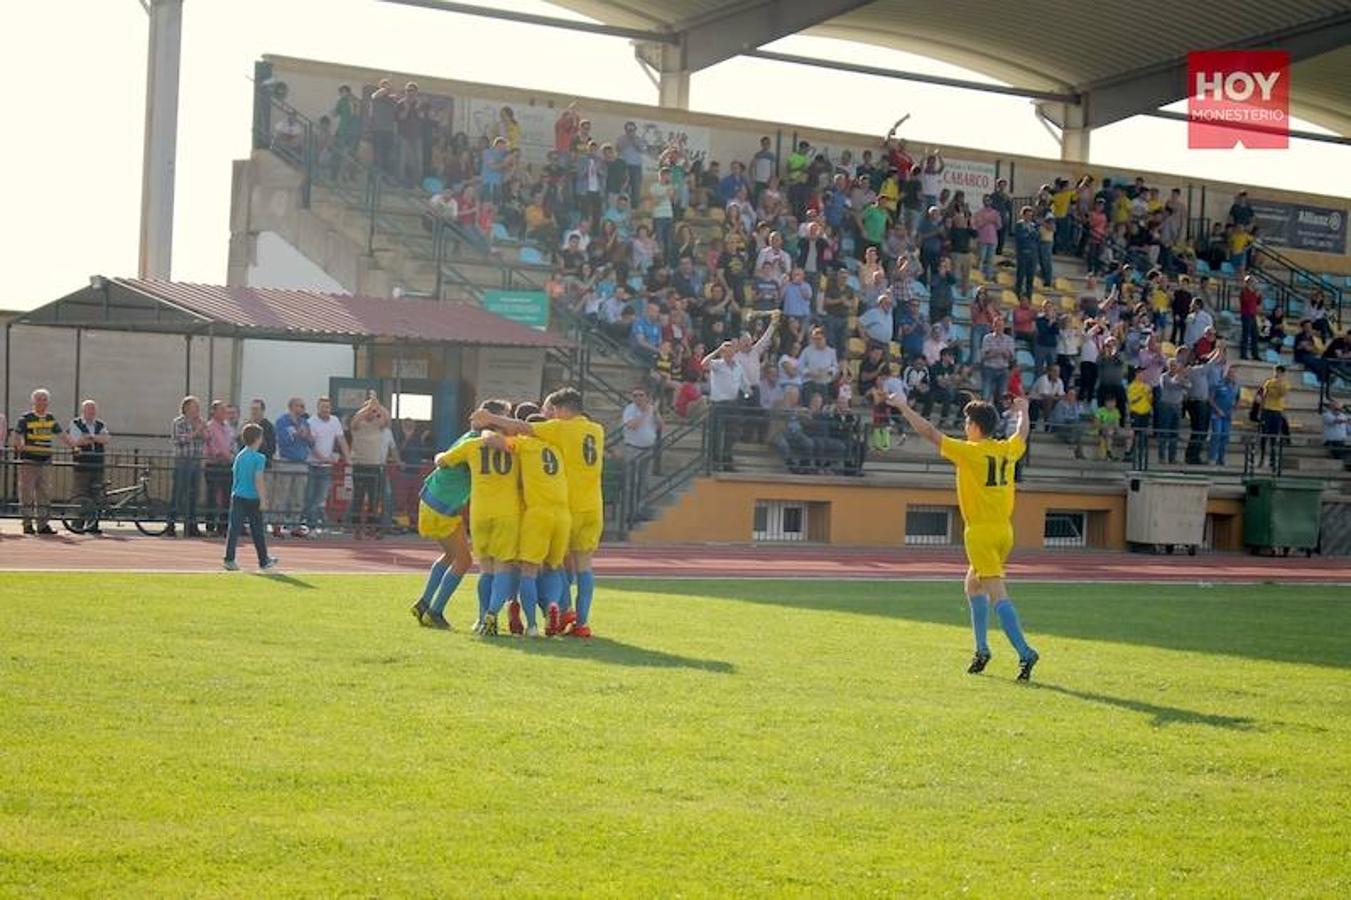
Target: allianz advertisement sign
[1301,227]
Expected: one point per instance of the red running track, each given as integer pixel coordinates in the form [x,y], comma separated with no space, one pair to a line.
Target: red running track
[124,550]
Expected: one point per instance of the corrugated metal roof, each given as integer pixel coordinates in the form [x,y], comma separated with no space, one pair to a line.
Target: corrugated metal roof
[311,313]
[1051,44]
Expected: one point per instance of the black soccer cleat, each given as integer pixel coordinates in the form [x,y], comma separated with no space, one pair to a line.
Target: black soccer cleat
[420,609]
[433,619]
[978,663]
[1025,666]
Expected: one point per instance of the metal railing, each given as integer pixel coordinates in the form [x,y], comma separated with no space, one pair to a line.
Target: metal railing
[644,482]
[195,493]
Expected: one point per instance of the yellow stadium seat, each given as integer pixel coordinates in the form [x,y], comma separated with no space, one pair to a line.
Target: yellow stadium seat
[1063,284]
[852,323]
[1008,298]
[1068,304]
[1038,300]
[895,350]
[1168,348]
[857,346]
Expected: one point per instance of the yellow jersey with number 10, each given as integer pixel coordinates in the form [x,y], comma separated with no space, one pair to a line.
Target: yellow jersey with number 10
[582,443]
[493,474]
[984,477]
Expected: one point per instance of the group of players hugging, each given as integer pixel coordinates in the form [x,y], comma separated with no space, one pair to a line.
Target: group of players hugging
[531,477]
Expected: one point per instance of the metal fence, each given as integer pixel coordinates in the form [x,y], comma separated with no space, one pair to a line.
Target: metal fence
[156,489]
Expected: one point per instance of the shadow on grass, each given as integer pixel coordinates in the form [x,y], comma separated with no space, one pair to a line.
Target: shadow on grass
[1162,715]
[611,652]
[1280,623]
[288,580]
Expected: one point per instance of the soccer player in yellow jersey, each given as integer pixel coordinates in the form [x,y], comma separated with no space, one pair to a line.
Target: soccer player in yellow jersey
[546,524]
[581,443]
[494,513]
[985,495]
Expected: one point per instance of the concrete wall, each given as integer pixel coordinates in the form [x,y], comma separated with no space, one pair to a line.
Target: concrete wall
[313,90]
[874,515]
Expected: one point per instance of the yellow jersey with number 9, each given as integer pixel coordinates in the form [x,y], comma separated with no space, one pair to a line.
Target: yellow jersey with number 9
[984,477]
[494,478]
[582,443]
[543,476]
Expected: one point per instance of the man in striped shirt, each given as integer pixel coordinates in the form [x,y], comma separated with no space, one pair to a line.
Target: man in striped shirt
[36,433]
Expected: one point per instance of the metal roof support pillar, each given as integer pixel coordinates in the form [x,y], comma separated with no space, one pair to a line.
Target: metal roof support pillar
[8,351]
[1072,120]
[210,365]
[79,352]
[187,365]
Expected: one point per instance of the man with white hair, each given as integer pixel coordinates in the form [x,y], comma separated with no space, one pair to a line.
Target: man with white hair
[35,434]
[89,438]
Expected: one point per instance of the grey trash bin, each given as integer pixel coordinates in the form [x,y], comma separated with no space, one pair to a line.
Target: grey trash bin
[1166,509]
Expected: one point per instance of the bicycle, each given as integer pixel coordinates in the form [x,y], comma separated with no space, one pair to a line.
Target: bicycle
[150,515]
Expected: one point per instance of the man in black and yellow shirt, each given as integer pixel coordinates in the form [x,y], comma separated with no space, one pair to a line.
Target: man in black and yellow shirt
[37,433]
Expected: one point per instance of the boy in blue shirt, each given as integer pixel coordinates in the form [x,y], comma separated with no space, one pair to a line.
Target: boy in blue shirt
[246,499]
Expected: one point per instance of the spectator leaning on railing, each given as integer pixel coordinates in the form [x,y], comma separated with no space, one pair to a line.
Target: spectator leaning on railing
[327,444]
[293,453]
[187,432]
[218,451]
[89,441]
[36,434]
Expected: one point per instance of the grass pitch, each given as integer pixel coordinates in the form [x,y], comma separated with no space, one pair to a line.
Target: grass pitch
[251,736]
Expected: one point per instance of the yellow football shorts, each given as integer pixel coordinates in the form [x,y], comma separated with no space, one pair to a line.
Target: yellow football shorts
[988,548]
[586,531]
[544,536]
[435,526]
[496,537]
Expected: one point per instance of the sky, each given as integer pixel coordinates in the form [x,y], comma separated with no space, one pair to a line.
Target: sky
[76,124]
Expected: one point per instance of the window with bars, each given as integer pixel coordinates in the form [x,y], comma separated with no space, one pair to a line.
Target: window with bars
[780,520]
[929,525]
[1065,528]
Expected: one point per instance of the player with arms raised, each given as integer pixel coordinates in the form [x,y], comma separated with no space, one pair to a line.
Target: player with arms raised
[985,493]
[581,443]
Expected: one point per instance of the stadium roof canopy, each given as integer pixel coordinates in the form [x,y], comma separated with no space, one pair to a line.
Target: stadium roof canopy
[1109,62]
[171,307]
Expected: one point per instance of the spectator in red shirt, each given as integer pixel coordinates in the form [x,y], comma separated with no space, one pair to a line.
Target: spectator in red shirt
[1249,308]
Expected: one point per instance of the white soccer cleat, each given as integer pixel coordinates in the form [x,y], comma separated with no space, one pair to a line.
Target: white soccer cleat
[532,631]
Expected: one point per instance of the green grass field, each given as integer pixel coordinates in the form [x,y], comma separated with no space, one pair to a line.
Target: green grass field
[240,735]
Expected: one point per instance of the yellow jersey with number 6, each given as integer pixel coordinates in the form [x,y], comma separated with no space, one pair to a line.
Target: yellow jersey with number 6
[984,477]
[582,444]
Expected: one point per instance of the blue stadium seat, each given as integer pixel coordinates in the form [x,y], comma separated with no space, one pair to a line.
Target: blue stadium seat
[1289,341]
[500,232]
[636,283]
[919,289]
[1025,359]
[432,185]
[960,332]
[1227,268]
[1272,357]
[1202,267]
[1310,380]
[532,255]
[853,283]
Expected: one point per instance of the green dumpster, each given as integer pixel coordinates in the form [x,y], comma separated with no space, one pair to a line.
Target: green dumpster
[1282,513]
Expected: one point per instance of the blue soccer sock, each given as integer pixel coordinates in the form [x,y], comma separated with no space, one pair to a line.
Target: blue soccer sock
[485,593]
[586,587]
[550,588]
[530,597]
[565,595]
[980,621]
[502,585]
[448,586]
[434,577]
[513,592]
[1008,618]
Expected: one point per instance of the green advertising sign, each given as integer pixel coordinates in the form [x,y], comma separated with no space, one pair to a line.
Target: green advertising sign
[527,307]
